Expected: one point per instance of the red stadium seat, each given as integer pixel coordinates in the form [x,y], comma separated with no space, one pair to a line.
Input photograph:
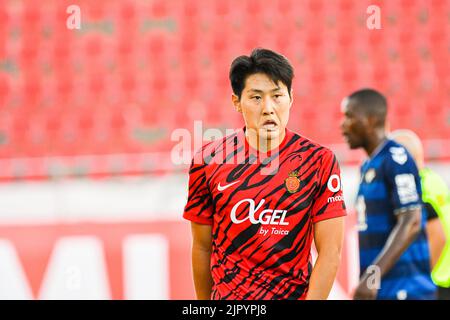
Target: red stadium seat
[73,91]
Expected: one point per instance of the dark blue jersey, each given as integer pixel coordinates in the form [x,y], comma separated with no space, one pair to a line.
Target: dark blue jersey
[390,184]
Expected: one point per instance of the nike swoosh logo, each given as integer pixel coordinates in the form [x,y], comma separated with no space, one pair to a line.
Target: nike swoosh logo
[221,188]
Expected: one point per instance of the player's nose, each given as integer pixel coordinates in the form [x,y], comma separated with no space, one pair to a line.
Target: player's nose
[268,107]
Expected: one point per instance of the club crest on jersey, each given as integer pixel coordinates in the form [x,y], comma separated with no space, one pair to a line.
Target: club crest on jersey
[370,175]
[292,182]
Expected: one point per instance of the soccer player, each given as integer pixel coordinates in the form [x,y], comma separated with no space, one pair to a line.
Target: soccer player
[254,219]
[436,199]
[394,254]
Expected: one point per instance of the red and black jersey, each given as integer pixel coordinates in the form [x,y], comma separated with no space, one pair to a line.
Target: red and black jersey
[262,210]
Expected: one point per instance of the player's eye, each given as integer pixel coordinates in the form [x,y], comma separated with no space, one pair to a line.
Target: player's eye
[256,98]
[277,96]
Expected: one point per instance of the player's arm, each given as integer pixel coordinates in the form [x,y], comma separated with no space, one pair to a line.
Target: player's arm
[328,214]
[199,211]
[201,257]
[402,235]
[328,237]
[435,234]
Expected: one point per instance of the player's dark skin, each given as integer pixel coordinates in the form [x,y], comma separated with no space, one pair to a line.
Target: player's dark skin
[361,130]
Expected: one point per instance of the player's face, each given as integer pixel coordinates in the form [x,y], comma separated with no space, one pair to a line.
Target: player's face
[354,125]
[265,106]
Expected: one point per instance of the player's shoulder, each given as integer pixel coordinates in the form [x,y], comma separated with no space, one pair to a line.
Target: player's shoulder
[396,154]
[308,144]
[312,150]
[396,160]
[211,149]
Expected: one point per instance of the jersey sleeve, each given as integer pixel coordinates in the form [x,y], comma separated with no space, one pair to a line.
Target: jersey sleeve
[403,180]
[199,206]
[329,201]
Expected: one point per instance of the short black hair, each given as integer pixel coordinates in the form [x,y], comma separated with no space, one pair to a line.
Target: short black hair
[371,103]
[274,65]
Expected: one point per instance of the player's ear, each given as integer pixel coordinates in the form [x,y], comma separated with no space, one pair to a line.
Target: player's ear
[236,102]
[373,121]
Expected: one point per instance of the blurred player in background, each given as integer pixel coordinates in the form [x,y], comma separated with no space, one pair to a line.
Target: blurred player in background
[253,223]
[436,199]
[391,220]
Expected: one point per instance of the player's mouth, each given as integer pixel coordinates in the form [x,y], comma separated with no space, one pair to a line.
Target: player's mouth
[347,137]
[270,125]
[349,140]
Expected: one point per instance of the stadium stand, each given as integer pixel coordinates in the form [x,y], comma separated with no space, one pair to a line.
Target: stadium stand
[136,70]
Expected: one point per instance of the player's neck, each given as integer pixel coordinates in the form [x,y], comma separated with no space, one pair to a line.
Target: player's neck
[264,145]
[375,141]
